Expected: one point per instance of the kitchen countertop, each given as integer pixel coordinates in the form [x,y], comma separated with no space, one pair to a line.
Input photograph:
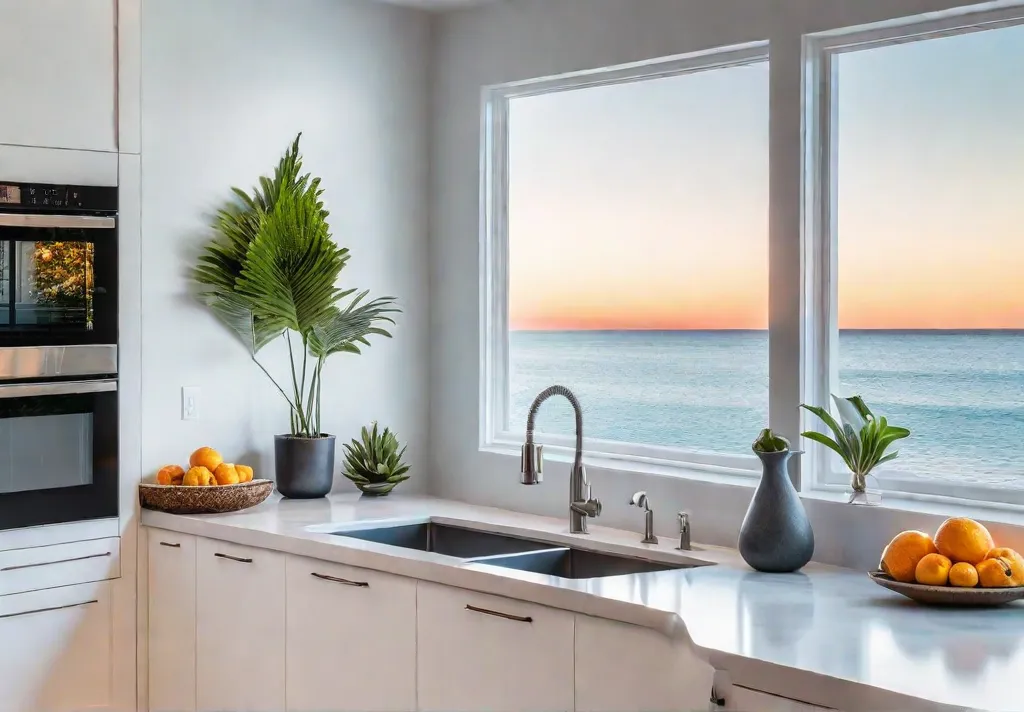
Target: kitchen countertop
[825,635]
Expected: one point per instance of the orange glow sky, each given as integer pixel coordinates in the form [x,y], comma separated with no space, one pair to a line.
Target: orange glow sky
[645,205]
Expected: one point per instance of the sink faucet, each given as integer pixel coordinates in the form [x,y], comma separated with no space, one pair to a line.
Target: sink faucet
[581,504]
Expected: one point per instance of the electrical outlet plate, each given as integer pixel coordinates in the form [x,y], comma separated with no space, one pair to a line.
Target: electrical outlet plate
[190,402]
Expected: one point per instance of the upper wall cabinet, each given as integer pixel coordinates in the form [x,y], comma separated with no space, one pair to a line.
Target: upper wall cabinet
[58,73]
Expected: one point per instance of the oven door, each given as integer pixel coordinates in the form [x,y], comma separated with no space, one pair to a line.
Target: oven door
[58,452]
[58,280]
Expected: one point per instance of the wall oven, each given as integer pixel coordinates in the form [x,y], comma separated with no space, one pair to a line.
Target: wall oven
[58,354]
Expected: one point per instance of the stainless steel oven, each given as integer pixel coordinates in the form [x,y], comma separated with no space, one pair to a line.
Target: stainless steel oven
[58,354]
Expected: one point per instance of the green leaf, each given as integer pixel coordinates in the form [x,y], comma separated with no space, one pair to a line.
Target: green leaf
[827,442]
[836,429]
[853,411]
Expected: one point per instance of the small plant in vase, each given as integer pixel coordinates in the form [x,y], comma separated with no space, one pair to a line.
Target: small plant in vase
[374,463]
[861,440]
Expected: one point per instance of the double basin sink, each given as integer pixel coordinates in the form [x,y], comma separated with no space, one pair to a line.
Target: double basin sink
[511,552]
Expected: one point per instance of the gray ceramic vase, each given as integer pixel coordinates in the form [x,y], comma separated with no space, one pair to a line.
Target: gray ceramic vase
[304,467]
[776,536]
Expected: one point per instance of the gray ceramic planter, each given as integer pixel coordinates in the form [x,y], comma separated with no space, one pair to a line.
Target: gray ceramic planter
[304,467]
[776,535]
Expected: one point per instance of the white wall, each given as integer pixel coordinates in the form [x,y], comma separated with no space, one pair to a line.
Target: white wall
[521,39]
[226,85]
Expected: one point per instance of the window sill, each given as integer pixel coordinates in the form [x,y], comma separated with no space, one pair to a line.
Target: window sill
[933,505]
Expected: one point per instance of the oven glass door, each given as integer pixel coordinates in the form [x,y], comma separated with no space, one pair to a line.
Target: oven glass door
[58,452]
[58,284]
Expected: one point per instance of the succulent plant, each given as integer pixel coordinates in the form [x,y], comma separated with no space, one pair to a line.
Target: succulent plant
[374,462]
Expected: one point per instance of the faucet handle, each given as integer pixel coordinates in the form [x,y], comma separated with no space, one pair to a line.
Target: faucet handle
[639,499]
[531,464]
[684,531]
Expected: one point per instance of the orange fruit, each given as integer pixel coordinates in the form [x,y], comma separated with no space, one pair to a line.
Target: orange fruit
[226,474]
[901,556]
[198,476]
[170,475]
[205,457]
[244,473]
[963,539]
[963,575]
[1011,560]
[933,570]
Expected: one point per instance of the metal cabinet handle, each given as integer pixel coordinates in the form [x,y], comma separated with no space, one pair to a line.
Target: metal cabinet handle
[51,563]
[232,558]
[716,699]
[499,614]
[335,579]
[45,610]
[173,546]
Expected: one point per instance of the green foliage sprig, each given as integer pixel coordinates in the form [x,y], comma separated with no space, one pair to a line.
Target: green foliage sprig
[861,438]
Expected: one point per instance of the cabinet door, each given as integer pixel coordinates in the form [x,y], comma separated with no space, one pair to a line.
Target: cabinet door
[742,699]
[59,74]
[172,622]
[56,649]
[351,639]
[479,652]
[240,628]
[627,668]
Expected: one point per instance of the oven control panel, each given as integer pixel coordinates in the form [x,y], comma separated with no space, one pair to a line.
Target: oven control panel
[49,197]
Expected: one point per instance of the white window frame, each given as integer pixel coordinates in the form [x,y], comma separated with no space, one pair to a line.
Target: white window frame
[820,293]
[496,432]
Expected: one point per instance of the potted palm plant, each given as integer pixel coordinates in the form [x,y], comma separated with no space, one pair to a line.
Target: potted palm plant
[861,440]
[271,274]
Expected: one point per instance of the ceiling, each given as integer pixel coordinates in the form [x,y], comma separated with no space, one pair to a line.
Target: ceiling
[441,5]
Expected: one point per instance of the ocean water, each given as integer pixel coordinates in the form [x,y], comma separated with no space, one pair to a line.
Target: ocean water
[960,393]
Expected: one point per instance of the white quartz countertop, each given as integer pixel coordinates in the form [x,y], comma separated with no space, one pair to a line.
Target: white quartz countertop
[824,635]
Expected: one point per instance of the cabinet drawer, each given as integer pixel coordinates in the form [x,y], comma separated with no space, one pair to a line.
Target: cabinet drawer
[482,652]
[56,652]
[172,621]
[45,567]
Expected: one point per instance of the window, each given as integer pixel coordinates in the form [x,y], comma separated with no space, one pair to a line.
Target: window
[636,236]
[921,248]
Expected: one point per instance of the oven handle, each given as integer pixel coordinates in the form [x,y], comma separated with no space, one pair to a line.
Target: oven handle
[58,221]
[28,390]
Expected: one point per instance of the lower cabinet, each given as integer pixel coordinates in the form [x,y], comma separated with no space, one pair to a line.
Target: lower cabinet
[351,639]
[627,668]
[240,628]
[479,652]
[172,622]
[56,649]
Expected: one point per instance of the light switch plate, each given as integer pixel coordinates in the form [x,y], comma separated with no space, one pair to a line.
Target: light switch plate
[190,402]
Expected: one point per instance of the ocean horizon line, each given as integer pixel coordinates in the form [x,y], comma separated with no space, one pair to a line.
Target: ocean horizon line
[937,332]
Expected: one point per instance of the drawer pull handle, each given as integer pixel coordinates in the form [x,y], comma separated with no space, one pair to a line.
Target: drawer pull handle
[173,546]
[335,579]
[499,614]
[46,610]
[239,559]
[51,563]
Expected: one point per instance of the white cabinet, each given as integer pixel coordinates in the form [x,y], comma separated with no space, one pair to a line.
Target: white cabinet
[626,668]
[56,649]
[481,652]
[240,628]
[742,699]
[351,639]
[59,74]
[172,622]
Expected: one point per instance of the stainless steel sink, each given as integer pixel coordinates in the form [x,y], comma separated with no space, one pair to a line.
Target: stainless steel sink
[446,539]
[581,564]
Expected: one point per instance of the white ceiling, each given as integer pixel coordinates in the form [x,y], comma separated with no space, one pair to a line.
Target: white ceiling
[440,5]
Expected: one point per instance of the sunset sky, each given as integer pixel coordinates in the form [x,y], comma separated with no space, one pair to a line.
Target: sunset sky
[645,205]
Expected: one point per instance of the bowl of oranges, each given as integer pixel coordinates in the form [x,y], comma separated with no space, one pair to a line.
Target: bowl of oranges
[209,486]
[959,566]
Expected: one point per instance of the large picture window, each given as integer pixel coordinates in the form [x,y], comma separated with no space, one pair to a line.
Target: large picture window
[636,237]
[923,250]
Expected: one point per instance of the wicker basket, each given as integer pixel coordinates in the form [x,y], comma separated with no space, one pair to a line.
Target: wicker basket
[177,499]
